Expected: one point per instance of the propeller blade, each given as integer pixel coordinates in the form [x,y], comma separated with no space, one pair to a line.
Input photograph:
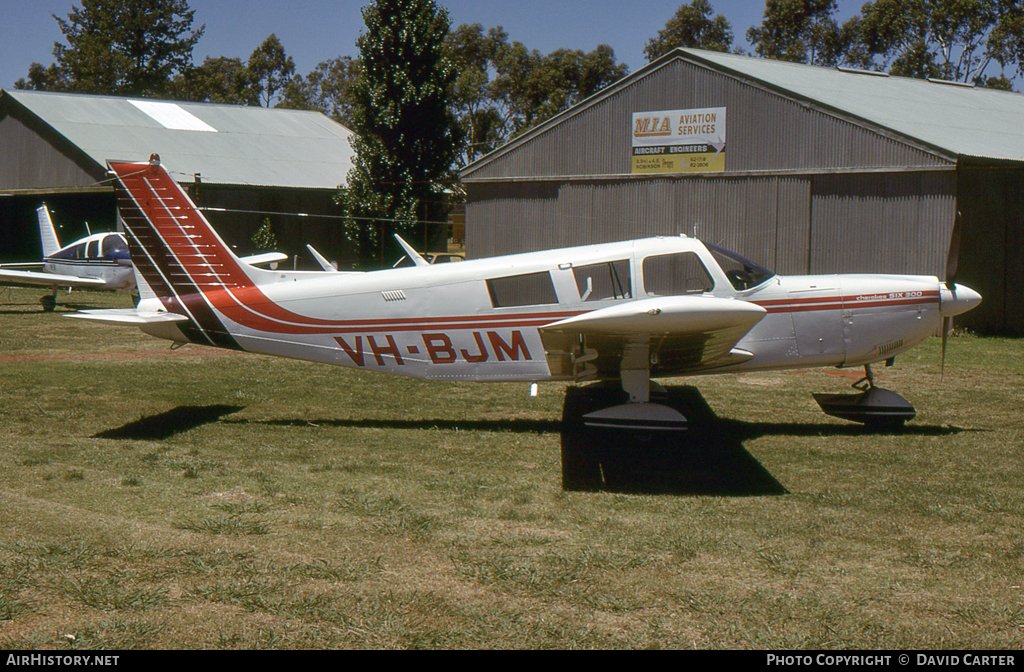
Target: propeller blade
[952,262]
[953,258]
[947,325]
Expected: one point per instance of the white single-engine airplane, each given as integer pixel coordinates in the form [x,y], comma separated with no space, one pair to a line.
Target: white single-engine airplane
[625,312]
[98,261]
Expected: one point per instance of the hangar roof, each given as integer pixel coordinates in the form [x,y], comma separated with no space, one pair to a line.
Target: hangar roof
[961,119]
[954,119]
[226,144]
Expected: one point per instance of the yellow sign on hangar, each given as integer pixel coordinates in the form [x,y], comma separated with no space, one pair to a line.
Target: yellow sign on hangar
[679,141]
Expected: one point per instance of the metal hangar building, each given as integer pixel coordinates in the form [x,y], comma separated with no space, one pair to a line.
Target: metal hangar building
[242,164]
[803,169]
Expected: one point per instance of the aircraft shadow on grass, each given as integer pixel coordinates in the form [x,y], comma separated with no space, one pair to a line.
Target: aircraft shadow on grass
[708,458]
[165,425]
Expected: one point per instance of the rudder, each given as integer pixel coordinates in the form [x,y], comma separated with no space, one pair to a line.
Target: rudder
[47,234]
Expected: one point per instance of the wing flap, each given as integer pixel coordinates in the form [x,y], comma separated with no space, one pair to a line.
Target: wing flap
[684,334]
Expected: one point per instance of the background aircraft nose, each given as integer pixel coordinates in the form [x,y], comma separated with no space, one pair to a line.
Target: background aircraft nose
[957,300]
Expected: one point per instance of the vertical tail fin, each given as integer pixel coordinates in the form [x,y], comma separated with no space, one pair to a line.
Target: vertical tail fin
[47,235]
[174,247]
[190,269]
[177,255]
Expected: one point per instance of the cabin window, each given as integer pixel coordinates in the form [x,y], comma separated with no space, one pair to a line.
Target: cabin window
[76,252]
[676,274]
[609,280]
[92,251]
[530,289]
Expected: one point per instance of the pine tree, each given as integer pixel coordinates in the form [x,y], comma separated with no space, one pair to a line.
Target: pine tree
[120,47]
[406,137]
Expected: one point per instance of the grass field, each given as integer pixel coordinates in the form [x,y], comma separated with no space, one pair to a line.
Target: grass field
[152,498]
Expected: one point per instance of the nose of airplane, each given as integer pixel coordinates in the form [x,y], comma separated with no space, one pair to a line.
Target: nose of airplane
[956,300]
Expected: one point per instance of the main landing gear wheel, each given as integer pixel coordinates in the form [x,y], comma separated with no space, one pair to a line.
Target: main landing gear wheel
[601,428]
[874,407]
[49,302]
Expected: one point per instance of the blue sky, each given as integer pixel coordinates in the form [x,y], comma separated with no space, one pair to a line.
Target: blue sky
[316,30]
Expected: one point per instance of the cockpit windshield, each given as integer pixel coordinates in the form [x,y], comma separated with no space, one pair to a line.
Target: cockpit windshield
[742,273]
[113,244]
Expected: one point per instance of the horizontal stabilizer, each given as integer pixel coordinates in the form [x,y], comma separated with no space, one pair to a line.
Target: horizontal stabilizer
[128,317]
[265,258]
[415,256]
[320,259]
[39,279]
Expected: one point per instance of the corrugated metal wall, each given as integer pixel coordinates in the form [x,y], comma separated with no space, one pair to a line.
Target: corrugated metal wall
[836,223]
[740,213]
[27,161]
[804,191]
[743,214]
[882,222]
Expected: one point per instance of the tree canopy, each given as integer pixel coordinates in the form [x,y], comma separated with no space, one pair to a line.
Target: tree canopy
[803,31]
[504,88]
[327,89]
[958,40]
[270,70]
[695,26]
[120,47]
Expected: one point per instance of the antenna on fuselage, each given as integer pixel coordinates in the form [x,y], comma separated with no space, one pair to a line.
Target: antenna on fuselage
[411,253]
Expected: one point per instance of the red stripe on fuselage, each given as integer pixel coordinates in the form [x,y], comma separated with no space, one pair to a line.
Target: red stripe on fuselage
[851,301]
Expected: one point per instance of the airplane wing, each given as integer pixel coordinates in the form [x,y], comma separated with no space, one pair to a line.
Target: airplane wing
[38,279]
[669,335]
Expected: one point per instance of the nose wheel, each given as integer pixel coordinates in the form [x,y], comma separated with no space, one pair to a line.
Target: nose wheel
[49,301]
[873,406]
